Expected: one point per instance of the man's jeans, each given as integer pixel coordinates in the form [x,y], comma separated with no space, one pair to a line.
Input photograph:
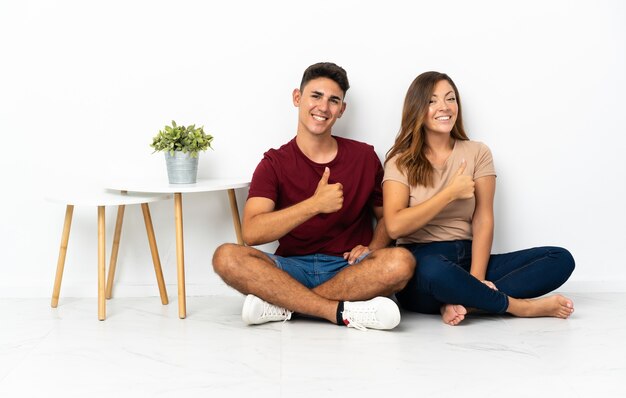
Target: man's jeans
[314,269]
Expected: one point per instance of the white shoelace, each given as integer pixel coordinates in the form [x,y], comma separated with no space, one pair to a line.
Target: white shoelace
[356,318]
[271,310]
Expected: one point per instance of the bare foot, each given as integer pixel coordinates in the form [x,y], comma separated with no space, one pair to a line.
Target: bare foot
[453,314]
[555,306]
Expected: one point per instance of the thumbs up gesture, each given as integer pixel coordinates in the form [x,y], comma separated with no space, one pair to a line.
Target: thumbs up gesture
[328,197]
[461,186]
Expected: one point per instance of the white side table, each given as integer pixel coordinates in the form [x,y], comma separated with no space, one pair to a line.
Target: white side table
[101,198]
[202,185]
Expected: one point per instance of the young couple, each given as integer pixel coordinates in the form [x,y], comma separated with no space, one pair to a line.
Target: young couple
[319,194]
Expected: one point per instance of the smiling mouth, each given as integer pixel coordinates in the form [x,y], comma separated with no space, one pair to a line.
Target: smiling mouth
[443,118]
[320,118]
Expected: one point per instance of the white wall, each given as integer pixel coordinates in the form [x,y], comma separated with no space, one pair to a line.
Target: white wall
[85,85]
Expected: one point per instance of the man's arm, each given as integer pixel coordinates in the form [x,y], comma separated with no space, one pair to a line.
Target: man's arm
[380,239]
[262,224]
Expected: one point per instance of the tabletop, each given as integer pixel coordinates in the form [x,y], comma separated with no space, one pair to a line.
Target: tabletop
[101,197]
[163,186]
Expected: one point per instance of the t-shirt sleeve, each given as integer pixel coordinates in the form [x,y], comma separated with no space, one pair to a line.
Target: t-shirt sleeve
[392,173]
[484,162]
[264,181]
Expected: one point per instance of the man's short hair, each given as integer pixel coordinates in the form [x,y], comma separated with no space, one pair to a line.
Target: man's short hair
[328,70]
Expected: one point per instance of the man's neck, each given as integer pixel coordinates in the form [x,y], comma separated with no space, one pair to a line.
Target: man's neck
[320,149]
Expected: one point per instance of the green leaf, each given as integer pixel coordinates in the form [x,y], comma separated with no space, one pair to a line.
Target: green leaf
[180,138]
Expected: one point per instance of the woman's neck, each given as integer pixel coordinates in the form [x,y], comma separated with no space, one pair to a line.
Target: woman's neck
[439,143]
[438,148]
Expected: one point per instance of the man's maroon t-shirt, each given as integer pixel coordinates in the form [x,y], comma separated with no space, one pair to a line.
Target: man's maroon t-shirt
[287,177]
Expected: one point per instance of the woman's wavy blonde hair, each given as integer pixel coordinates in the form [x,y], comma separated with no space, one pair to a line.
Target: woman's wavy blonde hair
[410,142]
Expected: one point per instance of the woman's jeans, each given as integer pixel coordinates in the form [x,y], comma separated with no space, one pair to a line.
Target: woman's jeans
[442,276]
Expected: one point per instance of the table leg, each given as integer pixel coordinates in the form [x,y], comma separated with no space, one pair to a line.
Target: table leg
[65,237]
[155,253]
[234,210]
[180,255]
[101,265]
[115,250]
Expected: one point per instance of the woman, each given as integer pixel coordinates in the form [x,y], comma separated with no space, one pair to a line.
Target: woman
[438,193]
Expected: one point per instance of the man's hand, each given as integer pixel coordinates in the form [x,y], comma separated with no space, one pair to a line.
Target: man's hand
[355,253]
[461,186]
[328,198]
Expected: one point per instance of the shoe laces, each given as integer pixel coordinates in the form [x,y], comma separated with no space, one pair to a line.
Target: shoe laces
[271,310]
[358,317]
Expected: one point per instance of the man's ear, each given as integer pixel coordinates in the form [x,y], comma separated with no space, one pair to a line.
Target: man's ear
[343,109]
[296,95]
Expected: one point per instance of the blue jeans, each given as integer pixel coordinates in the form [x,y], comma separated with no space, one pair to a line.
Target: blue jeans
[442,276]
[312,270]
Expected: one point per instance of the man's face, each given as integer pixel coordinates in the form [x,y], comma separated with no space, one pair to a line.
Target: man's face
[320,104]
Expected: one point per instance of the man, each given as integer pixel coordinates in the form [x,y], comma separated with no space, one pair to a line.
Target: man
[317,195]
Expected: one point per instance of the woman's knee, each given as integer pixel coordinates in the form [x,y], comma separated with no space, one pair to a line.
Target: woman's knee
[564,259]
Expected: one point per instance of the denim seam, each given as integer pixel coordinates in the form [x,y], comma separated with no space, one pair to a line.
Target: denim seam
[522,268]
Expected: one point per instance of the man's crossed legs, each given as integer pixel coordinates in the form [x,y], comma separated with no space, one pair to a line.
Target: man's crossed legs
[356,295]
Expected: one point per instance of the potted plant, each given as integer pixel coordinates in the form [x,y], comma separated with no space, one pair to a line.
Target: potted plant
[181,146]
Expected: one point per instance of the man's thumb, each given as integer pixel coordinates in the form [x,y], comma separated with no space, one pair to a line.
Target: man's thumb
[325,177]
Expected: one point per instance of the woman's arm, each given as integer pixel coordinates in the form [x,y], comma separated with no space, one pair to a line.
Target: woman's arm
[482,226]
[402,220]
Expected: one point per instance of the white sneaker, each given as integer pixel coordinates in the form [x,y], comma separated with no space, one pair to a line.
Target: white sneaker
[377,313]
[256,311]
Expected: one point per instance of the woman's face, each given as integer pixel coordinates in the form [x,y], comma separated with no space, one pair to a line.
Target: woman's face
[443,109]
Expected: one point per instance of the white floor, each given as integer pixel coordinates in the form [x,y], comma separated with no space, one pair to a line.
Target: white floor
[144,350]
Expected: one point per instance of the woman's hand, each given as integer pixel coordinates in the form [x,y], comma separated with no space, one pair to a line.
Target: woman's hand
[461,186]
[490,284]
